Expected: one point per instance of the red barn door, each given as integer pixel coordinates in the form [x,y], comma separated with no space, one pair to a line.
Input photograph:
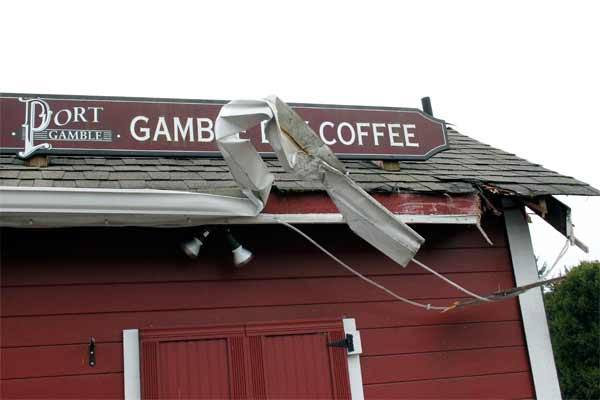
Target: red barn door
[290,360]
[192,364]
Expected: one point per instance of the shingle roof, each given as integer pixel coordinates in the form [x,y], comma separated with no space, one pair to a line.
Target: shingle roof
[467,165]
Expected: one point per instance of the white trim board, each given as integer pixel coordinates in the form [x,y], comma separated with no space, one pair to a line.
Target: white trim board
[354,369]
[537,335]
[62,220]
[131,364]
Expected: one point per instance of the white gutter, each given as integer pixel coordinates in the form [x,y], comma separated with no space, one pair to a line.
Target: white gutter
[68,207]
[120,201]
[62,207]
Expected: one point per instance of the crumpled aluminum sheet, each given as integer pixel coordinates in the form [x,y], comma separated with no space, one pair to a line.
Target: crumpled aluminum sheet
[302,152]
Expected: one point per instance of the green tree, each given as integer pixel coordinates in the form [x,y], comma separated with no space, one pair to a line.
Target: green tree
[573,308]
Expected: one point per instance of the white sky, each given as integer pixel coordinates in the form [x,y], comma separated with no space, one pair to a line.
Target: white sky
[521,76]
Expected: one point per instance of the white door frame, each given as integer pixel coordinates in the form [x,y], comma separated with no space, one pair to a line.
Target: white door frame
[354,369]
[131,364]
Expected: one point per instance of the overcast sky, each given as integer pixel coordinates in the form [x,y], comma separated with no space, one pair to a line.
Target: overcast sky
[521,76]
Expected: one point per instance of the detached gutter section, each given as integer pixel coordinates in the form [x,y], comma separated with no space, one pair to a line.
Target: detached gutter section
[302,153]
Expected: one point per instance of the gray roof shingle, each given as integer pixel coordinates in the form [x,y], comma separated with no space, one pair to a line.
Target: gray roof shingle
[467,164]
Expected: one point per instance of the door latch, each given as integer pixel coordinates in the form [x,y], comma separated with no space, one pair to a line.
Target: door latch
[92,352]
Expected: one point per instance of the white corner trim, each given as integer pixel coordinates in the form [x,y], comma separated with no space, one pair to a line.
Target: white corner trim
[131,364]
[354,370]
[537,335]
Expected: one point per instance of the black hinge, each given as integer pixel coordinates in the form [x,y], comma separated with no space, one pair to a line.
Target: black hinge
[347,343]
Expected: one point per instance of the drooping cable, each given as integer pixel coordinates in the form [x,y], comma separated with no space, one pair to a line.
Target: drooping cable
[361,276]
[560,255]
[456,285]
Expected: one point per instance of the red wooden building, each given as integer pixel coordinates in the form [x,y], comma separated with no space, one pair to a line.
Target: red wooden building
[98,301]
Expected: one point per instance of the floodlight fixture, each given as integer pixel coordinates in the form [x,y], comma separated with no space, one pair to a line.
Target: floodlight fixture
[241,256]
[191,247]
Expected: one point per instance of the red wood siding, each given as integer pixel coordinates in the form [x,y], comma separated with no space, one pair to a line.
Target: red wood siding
[59,287]
[398,203]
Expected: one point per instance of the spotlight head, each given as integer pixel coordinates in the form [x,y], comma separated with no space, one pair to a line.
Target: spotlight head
[241,256]
[192,247]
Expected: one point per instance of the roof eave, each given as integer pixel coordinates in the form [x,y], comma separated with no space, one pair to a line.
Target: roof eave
[70,207]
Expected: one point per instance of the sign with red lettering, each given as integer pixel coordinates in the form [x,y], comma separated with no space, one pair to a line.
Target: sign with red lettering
[47,124]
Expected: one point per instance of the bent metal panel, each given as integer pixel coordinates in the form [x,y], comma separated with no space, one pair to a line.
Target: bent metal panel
[168,127]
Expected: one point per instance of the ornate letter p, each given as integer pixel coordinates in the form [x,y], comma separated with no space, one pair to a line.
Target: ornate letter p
[29,128]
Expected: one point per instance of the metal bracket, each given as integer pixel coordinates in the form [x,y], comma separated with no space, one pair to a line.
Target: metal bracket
[558,215]
[347,343]
[92,352]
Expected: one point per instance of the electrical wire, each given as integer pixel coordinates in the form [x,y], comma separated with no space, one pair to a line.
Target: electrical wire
[361,276]
[560,255]
[456,285]
[429,307]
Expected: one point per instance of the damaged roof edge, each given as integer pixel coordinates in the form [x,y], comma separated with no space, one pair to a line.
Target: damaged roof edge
[454,171]
[67,207]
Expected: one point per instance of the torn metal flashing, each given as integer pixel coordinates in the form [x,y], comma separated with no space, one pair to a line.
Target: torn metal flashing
[302,153]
